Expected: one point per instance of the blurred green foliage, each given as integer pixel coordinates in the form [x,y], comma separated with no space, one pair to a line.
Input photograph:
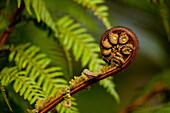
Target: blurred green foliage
[148,19]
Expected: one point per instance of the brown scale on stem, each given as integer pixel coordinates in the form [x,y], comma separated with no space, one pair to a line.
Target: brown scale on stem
[119,47]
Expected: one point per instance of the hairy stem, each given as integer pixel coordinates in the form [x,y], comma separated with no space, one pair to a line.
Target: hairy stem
[77,88]
[105,73]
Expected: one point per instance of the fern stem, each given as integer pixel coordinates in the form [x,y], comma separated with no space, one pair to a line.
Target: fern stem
[78,87]
[105,73]
[6,34]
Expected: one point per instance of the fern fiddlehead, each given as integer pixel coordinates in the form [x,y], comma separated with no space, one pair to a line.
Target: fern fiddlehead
[119,47]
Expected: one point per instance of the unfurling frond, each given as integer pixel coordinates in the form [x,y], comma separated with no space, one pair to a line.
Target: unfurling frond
[22,84]
[82,44]
[99,10]
[36,66]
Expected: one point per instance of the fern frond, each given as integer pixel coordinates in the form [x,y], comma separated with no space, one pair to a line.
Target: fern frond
[19,3]
[84,47]
[68,57]
[41,12]
[99,10]
[110,86]
[164,13]
[5,96]
[61,57]
[5,80]
[27,5]
[36,65]
[24,85]
[72,109]
[82,44]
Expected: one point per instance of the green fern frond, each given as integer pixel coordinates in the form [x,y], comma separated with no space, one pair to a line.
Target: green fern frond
[37,67]
[27,5]
[40,11]
[84,47]
[5,96]
[61,57]
[82,43]
[68,57]
[99,10]
[5,80]
[72,109]
[19,3]
[163,10]
[110,86]
[24,85]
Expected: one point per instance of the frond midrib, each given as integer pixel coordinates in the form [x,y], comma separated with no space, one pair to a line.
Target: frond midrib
[7,74]
[33,63]
[84,44]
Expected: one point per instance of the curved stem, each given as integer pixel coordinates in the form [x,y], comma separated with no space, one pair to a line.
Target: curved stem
[77,88]
[111,71]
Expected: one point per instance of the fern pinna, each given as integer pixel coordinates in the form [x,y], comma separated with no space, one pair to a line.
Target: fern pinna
[73,35]
[33,76]
[22,84]
[99,10]
[82,43]
[83,46]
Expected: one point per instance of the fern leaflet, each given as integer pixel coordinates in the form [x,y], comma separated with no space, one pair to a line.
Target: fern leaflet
[24,85]
[36,66]
[83,46]
[41,12]
[61,57]
[110,86]
[5,80]
[81,42]
[99,10]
